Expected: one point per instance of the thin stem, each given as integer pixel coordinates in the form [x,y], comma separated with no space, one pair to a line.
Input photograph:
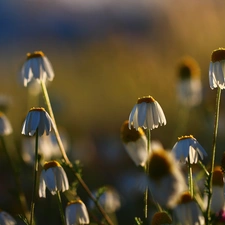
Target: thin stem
[203,167]
[67,161]
[216,123]
[190,178]
[59,200]
[147,171]
[21,196]
[35,179]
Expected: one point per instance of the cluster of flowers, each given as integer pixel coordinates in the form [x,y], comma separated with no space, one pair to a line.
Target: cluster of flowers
[165,170]
[177,201]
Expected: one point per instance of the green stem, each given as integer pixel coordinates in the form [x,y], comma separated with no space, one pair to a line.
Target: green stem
[190,179]
[35,179]
[148,134]
[216,123]
[21,196]
[61,208]
[67,161]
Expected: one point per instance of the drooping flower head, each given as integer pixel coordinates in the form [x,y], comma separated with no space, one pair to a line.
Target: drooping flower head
[147,113]
[189,85]
[161,218]
[37,119]
[187,211]
[218,200]
[76,213]
[6,219]
[54,178]
[108,198]
[135,143]
[5,125]
[166,181]
[217,69]
[187,149]
[38,67]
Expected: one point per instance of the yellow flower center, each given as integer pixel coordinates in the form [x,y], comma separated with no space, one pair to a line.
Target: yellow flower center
[185,198]
[37,109]
[128,135]
[159,164]
[217,177]
[186,137]
[75,202]
[161,218]
[218,55]
[146,99]
[35,54]
[51,164]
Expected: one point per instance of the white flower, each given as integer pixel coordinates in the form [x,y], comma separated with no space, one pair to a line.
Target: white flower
[188,212]
[217,202]
[54,178]
[217,69]
[37,66]
[135,143]
[6,219]
[76,213]
[166,181]
[188,149]
[37,118]
[108,198]
[189,86]
[147,113]
[5,125]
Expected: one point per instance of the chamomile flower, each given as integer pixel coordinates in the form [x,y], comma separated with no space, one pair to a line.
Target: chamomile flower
[187,149]
[217,69]
[189,86]
[166,181]
[217,203]
[188,212]
[76,213]
[135,143]
[161,218]
[38,67]
[108,198]
[147,113]
[5,125]
[54,178]
[6,219]
[37,119]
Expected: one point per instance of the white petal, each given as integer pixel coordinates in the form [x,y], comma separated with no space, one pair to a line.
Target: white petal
[141,113]
[131,116]
[42,186]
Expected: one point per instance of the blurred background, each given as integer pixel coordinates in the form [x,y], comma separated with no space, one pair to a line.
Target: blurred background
[106,54]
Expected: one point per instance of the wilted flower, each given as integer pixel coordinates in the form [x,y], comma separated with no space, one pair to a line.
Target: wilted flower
[166,181]
[135,143]
[108,198]
[5,125]
[147,113]
[161,218]
[76,213]
[188,212]
[6,219]
[217,69]
[54,177]
[37,119]
[38,67]
[189,83]
[188,149]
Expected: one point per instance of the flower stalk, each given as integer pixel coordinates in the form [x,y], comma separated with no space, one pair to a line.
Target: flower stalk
[35,179]
[64,155]
[216,123]
[59,200]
